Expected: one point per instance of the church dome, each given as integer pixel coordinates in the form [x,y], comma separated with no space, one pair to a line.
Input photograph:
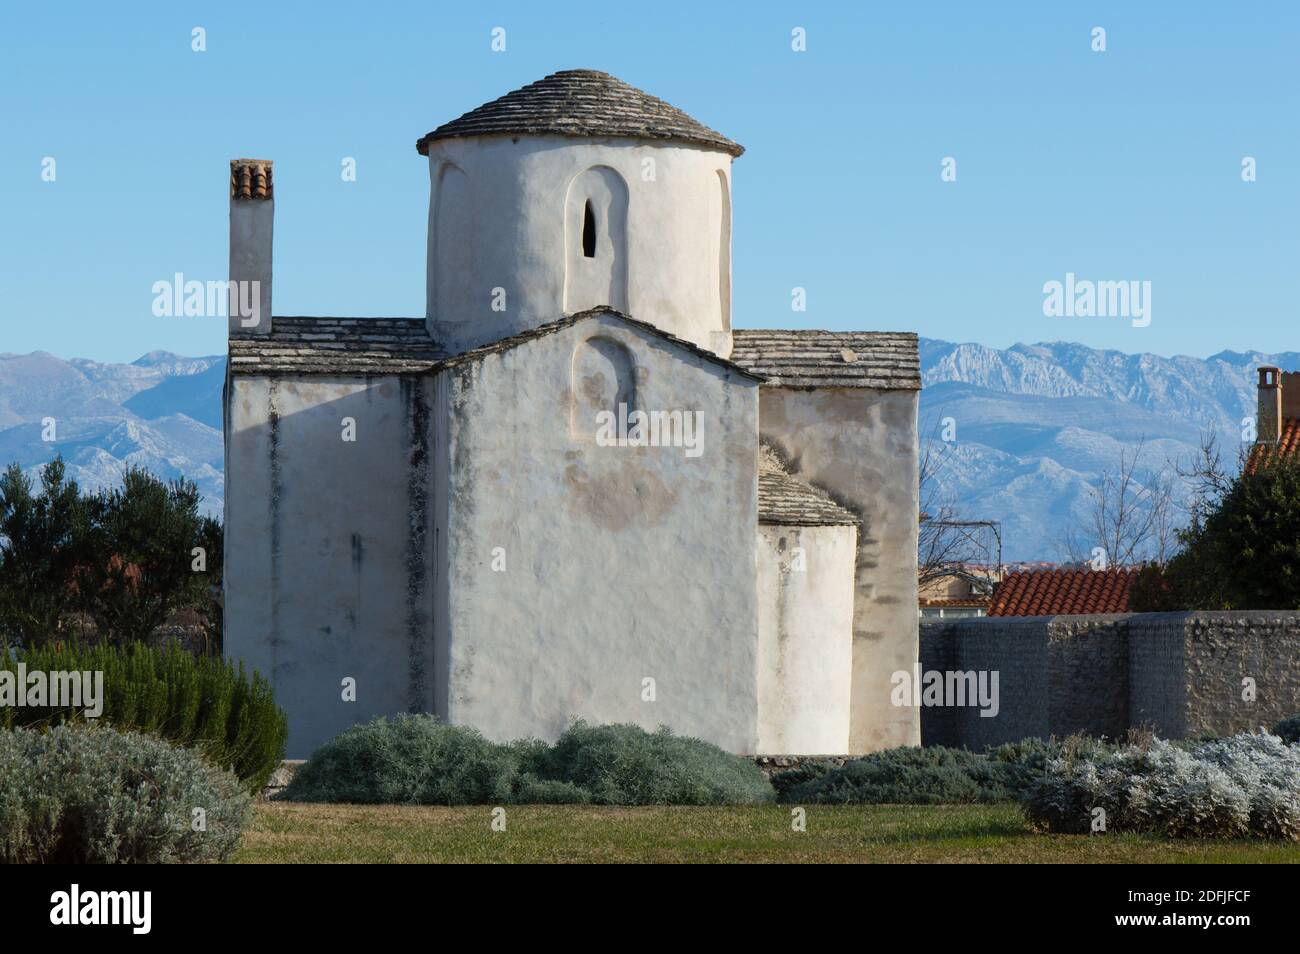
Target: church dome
[586,104]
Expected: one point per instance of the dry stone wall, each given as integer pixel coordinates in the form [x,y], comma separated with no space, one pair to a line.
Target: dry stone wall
[1181,674]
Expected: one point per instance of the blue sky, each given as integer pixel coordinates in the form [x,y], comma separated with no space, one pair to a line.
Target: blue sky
[1122,165]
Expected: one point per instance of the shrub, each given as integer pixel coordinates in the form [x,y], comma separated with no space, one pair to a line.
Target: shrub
[203,703]
[1229,788]
[791,778]
[407,760]
[918,776]
[1027,760]
[1267,770]
[1288,730]
[1250,524]
[625,765]
[90,794]
[416,759]
[532,790]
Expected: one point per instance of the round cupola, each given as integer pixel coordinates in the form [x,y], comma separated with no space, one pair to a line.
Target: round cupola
[575,192]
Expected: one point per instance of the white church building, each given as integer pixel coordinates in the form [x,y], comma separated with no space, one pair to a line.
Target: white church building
[572,489]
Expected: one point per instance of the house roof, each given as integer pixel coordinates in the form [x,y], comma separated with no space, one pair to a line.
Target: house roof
[805,358]
[954,602]
[1063,592]
[789,501]
[582,103]
[303,345]
[299,345]
[1286,446]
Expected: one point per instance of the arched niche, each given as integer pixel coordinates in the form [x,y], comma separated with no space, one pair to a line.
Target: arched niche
[724,250]
[603,376]
[595,229]
[452,241]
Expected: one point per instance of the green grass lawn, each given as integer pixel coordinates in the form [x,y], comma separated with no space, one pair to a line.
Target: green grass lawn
[296,832]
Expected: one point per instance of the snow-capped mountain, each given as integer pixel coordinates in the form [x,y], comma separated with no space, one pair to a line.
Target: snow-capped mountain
[1035,425]
[161,412]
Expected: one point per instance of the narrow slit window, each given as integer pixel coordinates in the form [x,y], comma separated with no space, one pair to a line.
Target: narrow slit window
[588,231]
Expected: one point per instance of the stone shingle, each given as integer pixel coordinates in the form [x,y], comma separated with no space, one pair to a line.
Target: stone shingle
[789,501]
[584,103]
[886,360]
[505,344]
[300,345]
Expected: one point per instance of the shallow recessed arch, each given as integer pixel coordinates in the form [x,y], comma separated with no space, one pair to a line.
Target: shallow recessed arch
[595,216]
[724,250]
[602,377]
[451,241]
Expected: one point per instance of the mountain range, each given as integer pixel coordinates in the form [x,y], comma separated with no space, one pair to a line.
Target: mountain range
[161,412]
[1033,426]
[1037,425]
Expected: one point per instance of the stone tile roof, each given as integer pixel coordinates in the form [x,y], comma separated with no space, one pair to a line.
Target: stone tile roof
[569,320]
[1286,446]
[584,103]
[886,360]
[1063,592]
[300,345]
[251,179]
[789,501]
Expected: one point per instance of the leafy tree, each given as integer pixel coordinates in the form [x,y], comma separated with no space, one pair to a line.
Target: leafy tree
[126,556]
[143,537]
[44,538]
[1243,552]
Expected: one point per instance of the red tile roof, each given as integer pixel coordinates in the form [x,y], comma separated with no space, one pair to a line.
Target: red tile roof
[1063,592]
[1287,445]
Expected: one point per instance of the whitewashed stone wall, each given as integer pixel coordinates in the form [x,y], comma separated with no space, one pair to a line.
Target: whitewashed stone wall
[805,639]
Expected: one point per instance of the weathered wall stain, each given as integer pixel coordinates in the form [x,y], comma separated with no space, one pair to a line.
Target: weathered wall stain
[416,416]
[276,534]
[631,492]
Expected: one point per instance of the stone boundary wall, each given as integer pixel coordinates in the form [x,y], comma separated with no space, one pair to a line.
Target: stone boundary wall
[1180,674]
[776,764]
[282,776]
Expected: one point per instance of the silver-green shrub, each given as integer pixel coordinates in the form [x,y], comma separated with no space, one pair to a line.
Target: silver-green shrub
[91,794]
[626,765]
[407,760]
[912,776]
[1288,729]
[415,759]
[1243,786]
[1268,771]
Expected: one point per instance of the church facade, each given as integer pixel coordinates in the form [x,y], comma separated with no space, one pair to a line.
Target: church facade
[571,489]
